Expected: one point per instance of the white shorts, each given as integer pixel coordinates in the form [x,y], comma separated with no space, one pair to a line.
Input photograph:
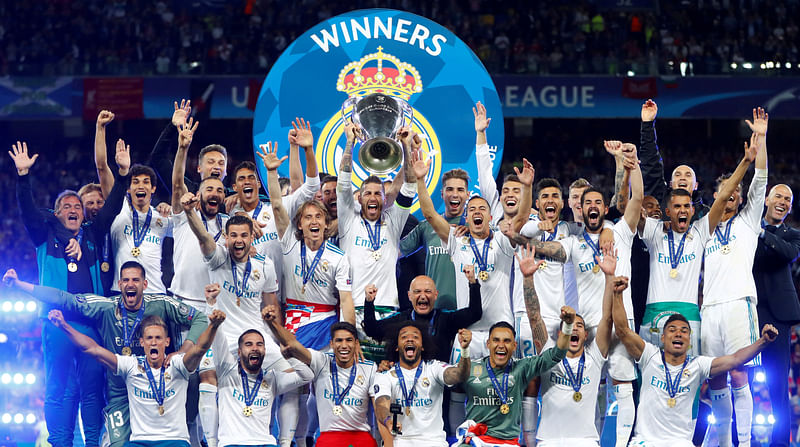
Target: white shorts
[417,441]
[728,327]
[620,365]
[652,335]
[525,345]
[477,347]
[568,442]
[639,442]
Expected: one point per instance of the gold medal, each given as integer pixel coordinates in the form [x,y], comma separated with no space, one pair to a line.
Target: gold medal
[72,267]
[408,411]
[673,273]
[303,289]
[337,410]
[654,330]
[543,265]
[596,268]
[126,350]
[504,409]
[161,410]
[105,267]
[483,275]
[247,411]
[376,255]
[577,396]
[238,302]
[135,252]
[726,249]
[671,402]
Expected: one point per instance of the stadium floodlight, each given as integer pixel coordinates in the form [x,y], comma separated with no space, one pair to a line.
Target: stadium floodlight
[747,65]
[734,65]
[760,419]
[6,418]
[19,306]
[18,378]
[30,306]
[770,64]
[763,66]
[30,379]
[771,419]
[7,306]
[3,337]
[760,377]
[30,418]
[788,65]
[18,418]
[631,73]
[5,378]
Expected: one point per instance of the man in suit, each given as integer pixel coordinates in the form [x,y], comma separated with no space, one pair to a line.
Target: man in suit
[778,248]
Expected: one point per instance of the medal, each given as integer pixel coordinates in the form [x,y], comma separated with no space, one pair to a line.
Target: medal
[139,233]
[105,267]
[504,409]
[482,256]
[240,291]
[726,249]
[303,289]
[126,350]
[128,333]
[376,255]
[408,393]
[159,391]
[577,396]
[72,263]
[250,393]
[502,391]
[339,395]
[673,386]
[374,237]
[671,402]
[161,410]
[595,268]
[675,255]
[72,267]
[135,252]
[725,239]
[575,380]
[543,265]
[337,410]
[307,272]
[595,250]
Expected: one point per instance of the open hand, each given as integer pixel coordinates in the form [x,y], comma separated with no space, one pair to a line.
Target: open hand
[301,133]
[760,121]
[528,264]
[481,121]
[269,155]
[22,160]
[181,112]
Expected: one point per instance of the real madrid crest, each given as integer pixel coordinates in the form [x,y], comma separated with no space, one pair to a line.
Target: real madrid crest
[426,382]
[360,379]
[256,275]
[324,266]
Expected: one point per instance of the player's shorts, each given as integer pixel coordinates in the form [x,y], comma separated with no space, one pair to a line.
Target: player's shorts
[728,327]
[374,350]
[620,365]
[477,347]
[172,443]
[656,314]
[568,442]
[117,420]
[273,359]
[525,345]
[419,441]
[200,305]
[553,325]
[345,439]
[639,442]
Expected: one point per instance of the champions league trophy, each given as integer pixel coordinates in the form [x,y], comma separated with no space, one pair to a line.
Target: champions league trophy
[379,117]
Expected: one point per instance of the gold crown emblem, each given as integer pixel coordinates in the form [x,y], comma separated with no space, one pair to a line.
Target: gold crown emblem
[379,73]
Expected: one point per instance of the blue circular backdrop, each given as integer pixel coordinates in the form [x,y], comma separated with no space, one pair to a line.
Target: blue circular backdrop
[443,79]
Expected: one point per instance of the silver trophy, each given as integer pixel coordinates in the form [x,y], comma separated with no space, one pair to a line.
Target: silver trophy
[379,117]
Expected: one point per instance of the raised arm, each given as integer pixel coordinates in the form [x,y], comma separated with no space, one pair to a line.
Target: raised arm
[526,178]
[269,156]
[100,152]
[551,249]
[207,244]
[568,319]
[284,337]
[652,165]
[192,358]
[460,373]
[305,139]
[608,265]
[486,181]
[633,343]
[729,185]
[85,343]
[528,265]
[420,167]
[185,135]
[633,209]
[728,362]
[34,220]
[759,126]
[620,198]
[295,168]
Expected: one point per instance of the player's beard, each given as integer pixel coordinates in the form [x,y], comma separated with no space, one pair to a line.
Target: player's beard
[253,362]
[414,357]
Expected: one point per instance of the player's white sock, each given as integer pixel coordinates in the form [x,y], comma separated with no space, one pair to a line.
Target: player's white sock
[287,416]
[530,419]
[602,402]
[723,414]
[302,421]
[743,403]
[626,412]
[209,413]
[458,411]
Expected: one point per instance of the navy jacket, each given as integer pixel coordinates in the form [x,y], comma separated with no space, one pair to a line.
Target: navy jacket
[777,249]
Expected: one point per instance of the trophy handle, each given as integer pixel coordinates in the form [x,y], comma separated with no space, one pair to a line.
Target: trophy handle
[348,103]
[408,112]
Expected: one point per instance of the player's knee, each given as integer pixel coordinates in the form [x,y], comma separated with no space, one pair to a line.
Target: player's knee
[208,378]
[533,388]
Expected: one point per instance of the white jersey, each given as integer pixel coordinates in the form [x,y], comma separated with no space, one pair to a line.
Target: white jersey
[684,287]
[192,276]
[495,291]
[243,312]
[486,182]
[425,424]
[268,245]
[729,276]
[354,239]
[355,403]
[655,420]
[549,281]
[234,427]
[146,422]
[591,282]
[557,398]
[150,248]
[331,274]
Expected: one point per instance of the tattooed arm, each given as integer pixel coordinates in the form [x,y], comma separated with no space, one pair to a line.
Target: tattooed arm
[528,266]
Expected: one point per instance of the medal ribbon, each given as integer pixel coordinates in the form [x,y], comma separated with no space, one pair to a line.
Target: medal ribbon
[306,271]
[250,394]
[595,248]
[575,381]
[219,225]
[431,322]
[245,277]
[481,258]
[140,233]
[107,248]
[726,239]
[158,392]
[374,236]
[550,236]
[338,396]
[257,211]
[79,238]
[408,396]
[674,257]
[502,392]
[672,387]
[127,337]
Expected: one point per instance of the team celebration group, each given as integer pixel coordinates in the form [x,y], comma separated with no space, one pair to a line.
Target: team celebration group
[283,317]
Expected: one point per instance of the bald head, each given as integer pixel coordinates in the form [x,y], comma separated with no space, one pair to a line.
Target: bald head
[422,293]
[683,177]
[779,204]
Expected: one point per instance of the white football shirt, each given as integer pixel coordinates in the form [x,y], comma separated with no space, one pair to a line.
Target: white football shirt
[331,274]
[355,403]
[191,276]
[549,281]
[729,276]
[146,422]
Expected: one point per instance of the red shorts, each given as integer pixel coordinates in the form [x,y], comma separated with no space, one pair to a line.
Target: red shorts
[345,439]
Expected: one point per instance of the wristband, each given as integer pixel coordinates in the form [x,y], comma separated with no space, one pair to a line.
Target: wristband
[465,352]
[566,329]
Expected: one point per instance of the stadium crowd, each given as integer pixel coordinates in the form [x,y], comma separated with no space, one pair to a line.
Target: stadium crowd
[127,37]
